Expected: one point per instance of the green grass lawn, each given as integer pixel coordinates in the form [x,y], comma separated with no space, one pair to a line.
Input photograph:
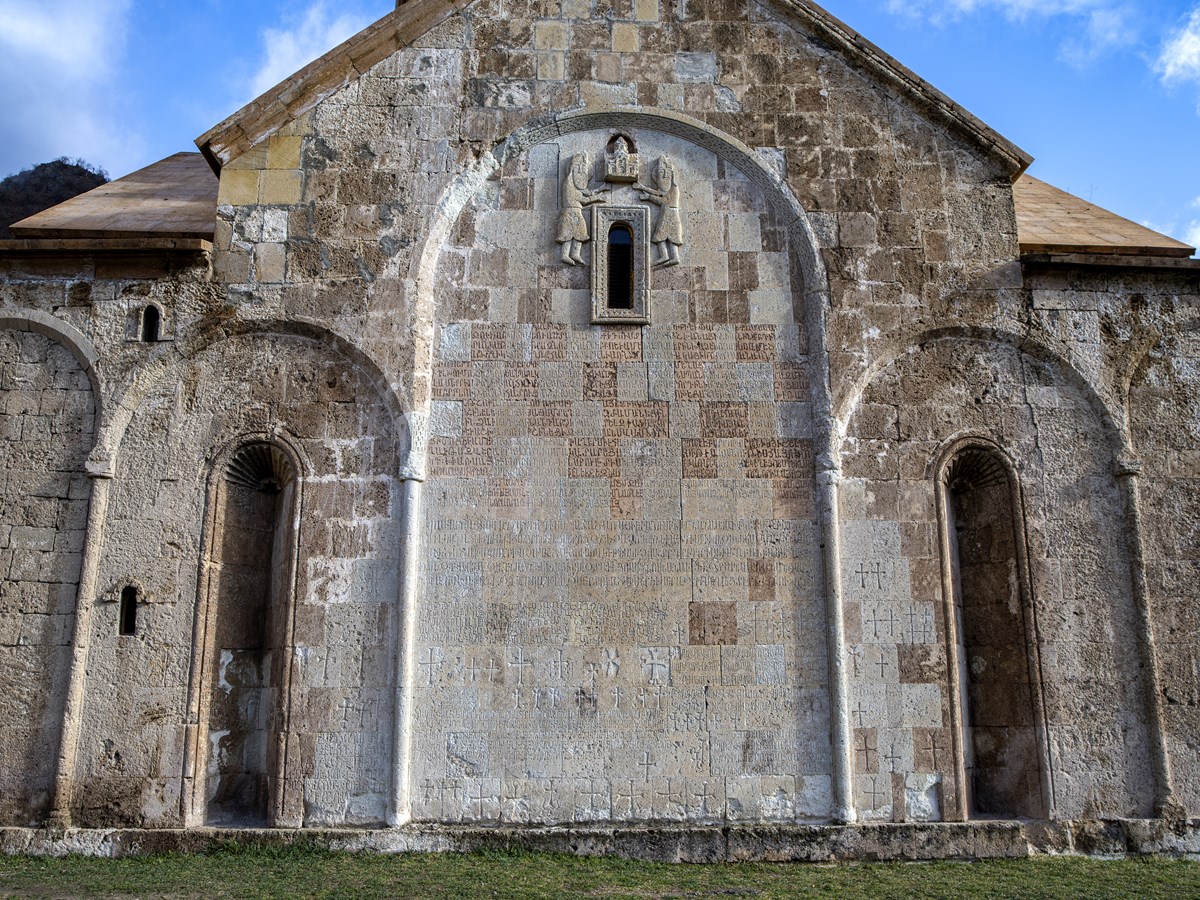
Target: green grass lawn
[292,872]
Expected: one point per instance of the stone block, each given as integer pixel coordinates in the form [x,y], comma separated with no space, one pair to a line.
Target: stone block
[280,188]
[551,66]
[646,10]
[270,262]
[239,187]
[550,35]
[283,152]
[696,67]
[625,37]
[598,95]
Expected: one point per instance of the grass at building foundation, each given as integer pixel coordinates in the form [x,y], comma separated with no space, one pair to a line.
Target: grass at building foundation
[293,872]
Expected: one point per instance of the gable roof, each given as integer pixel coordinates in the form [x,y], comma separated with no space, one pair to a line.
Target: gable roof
[293,97]
[924,93]
[1050,220]
[173,198]
[410,21]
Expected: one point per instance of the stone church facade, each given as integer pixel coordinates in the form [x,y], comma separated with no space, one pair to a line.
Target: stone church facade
[595,413]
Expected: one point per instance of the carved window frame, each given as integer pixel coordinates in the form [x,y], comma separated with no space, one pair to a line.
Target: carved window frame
[637,219]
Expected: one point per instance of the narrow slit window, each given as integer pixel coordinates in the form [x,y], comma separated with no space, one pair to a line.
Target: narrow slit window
[151,324]
[128,610]
[620,267]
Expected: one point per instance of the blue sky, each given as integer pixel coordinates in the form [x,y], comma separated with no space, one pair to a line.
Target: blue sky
[1105,94]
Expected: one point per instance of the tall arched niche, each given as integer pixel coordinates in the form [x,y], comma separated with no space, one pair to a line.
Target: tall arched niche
[622,538]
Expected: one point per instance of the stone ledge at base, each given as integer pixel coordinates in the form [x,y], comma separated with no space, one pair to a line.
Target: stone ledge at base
[698,844]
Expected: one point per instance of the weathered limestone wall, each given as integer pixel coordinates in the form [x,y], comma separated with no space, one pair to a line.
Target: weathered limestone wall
[1164,407]
[618,598]
[329,219]
[161,536]
[622,615]
[343,217]
[47,418]
[1072,516]
[1139,328]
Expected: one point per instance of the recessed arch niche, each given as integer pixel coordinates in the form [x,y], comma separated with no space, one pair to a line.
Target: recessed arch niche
[244,634]
[989,613]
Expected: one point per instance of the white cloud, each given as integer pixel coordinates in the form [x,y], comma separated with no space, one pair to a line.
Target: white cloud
[304,36]
[1103,24]
[58,83]
[1180,57]
[1192,235]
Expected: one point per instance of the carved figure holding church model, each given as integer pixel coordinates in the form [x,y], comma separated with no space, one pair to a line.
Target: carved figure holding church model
[620,165]
[572,223]
[668,232]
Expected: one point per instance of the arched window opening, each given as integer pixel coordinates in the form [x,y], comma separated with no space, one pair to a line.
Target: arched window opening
[245,667]
[1001,751]
[620,267]
[151,323]
[128,611]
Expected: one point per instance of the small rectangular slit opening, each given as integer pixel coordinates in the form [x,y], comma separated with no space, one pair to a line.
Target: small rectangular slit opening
[128,614]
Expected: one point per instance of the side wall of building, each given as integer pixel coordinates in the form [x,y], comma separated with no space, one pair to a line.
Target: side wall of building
[49,417]
[621,609]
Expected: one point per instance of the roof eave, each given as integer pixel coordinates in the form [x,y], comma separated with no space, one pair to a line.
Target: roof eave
[1107,251]
[1033,261]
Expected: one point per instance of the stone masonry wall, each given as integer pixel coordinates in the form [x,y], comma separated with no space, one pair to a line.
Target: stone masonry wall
[621,609]
[328,218]
[1080,575]
[344,611]
[1165,418]
[622,614]
[894,201]
[46,421]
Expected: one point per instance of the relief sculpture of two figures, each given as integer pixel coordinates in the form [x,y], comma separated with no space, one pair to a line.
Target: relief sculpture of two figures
[573,230]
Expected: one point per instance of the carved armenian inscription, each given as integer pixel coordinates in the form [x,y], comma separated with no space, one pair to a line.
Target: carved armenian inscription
[621,617]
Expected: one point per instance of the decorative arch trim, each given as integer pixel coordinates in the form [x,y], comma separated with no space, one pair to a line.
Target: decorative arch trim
[283,809]
[755,165]
[133,393]
[846,405]
[1138,362]
[38,322]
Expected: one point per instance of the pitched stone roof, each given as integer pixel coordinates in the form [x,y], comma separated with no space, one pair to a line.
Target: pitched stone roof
[407,23]
[1052,221]
[173,198]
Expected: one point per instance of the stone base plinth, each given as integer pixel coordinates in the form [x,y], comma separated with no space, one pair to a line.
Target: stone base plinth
[810,843]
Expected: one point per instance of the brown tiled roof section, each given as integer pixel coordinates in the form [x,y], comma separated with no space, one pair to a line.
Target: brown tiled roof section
[414,18]
[173,198]
[1053,221]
